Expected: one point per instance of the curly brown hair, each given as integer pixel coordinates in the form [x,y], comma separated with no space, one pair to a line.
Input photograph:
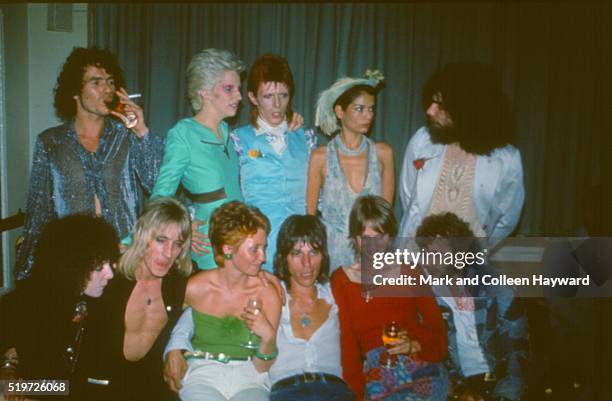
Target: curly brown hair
[70,79]
[444,225]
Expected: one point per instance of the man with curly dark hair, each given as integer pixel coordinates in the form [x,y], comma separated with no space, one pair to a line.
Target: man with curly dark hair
[92,163]
[488,344]
[462,161]
[46,327]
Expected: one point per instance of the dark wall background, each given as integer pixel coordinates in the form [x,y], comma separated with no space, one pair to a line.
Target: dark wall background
[554,60]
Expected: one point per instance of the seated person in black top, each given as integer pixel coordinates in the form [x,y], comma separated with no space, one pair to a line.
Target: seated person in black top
[141,305]
[47,332]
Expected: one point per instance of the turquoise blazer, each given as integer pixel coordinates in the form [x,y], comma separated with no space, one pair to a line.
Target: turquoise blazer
[276,184]
[195,158]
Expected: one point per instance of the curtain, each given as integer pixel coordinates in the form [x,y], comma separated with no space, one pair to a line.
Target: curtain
[554,61]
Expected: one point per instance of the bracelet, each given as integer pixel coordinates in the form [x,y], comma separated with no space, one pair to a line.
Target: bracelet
[267,357]
[10,363]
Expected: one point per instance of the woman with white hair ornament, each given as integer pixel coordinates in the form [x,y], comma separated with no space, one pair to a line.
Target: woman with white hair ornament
[351,165]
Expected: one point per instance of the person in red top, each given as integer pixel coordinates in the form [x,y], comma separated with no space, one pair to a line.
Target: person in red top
[422,342]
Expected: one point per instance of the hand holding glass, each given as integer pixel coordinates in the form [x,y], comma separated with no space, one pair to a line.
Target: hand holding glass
[390,338]
[256,305]
[119,107]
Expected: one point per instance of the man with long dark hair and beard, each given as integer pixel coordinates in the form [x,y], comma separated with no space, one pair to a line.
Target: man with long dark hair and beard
[463,161]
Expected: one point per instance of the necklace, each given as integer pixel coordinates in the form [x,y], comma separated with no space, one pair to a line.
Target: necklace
[353,272]
[306,310]
[305,320]
[351,152]
[72,351]
[368,296]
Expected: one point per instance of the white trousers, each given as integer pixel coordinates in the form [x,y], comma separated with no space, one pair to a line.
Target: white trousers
[216,381]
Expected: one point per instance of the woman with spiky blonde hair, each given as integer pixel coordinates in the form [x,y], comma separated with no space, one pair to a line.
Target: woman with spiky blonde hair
[198,153]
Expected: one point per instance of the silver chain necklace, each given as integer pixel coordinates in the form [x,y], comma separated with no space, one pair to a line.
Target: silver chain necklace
[351,152]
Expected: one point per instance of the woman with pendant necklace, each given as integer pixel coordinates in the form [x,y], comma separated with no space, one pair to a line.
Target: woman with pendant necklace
[351,165]
[417,373]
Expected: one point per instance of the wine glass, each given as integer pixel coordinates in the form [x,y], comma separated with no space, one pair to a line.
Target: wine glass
[390,338]
[253,341]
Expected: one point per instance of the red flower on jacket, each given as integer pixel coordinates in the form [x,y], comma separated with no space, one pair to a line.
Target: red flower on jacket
[419,163]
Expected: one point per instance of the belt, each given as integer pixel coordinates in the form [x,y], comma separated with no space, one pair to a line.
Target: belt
[305,378]
[220,357]
[206,197]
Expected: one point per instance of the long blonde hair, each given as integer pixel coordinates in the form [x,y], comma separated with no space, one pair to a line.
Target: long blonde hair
[159,214]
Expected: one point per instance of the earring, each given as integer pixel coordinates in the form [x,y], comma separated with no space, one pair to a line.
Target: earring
[227,256]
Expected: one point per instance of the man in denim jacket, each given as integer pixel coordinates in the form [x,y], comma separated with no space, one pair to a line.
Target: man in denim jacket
[487,326]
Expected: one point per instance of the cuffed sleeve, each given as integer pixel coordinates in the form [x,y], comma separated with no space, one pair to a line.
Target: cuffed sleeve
[181,333]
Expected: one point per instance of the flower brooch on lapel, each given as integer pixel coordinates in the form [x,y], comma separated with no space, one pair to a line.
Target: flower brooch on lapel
[419,163]
[254,153]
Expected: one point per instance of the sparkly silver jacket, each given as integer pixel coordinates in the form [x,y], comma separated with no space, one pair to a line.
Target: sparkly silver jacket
[65,177]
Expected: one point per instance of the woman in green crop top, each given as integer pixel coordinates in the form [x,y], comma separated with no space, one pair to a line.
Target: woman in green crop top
[222,368]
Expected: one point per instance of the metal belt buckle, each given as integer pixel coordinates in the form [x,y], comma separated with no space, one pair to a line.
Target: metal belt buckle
[489,377]
[223,358]
[309,377]
[194,354]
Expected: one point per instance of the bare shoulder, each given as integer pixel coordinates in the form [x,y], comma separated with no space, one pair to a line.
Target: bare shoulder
[383,150]
[270,296]
[199,283]
[319,155]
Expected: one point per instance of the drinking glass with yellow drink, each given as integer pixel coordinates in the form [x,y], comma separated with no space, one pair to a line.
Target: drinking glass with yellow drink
[390,338]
